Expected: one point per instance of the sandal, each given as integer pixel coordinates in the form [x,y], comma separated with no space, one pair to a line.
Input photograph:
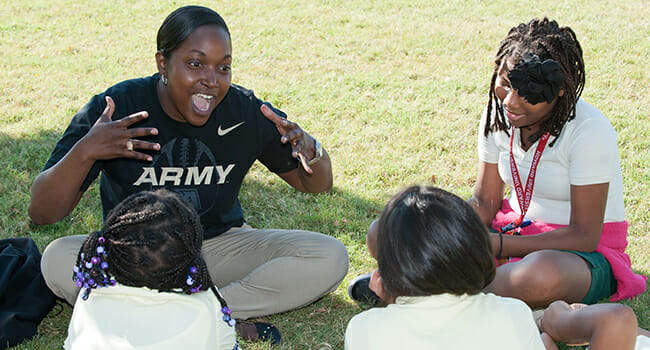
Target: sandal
[258,331]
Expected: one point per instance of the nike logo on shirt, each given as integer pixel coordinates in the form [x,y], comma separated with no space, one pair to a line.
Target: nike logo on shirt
[222,132]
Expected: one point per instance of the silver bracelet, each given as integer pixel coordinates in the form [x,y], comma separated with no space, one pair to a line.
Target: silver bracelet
[319,153]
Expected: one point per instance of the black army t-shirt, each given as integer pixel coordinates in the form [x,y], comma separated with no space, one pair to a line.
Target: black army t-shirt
[206,165]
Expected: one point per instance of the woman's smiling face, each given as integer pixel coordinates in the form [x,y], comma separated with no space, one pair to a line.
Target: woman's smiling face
[198,75]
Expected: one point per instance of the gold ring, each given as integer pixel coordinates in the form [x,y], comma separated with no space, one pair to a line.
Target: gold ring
[129,145]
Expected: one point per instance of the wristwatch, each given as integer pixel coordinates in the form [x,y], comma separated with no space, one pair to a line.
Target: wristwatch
[319,153]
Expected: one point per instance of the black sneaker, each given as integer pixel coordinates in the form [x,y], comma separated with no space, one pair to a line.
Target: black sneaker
[359,291]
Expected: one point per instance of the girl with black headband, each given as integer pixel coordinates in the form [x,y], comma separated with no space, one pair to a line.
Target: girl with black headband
[561,233]
[144,283]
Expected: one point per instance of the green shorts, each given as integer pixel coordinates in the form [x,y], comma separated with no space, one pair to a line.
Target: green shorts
[603,283]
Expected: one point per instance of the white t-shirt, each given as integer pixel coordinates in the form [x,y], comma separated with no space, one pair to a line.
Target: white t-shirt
[585,153]
[121,317]
[446,321]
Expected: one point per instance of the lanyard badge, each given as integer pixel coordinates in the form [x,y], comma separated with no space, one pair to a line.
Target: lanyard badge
[524,196]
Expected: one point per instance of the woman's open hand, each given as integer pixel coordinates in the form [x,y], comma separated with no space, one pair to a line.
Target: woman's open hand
[109,139]
[303,146]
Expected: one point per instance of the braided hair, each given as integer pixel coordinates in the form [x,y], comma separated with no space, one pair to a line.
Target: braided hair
[150,239]
[546,39]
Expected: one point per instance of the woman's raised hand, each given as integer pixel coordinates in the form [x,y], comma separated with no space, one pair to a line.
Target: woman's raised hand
[303,146]
[109,139]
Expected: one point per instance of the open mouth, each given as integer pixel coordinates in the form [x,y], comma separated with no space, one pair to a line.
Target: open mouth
[202,102]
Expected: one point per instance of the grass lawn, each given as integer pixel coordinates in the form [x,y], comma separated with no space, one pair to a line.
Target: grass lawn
[392,89]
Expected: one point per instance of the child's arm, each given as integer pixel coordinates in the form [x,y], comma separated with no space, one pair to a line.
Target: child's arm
[604,326]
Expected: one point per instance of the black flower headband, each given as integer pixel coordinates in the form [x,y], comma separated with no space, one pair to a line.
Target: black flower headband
[535,80]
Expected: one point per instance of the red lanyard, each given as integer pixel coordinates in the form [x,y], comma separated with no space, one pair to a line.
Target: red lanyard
[524,197]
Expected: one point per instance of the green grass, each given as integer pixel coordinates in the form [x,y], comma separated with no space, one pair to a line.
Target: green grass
[393,90]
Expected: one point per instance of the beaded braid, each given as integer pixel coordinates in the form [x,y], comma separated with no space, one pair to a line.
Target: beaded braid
[548,40]
[91,269]
[154,240]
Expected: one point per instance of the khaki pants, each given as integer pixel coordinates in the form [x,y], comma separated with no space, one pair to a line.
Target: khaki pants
[259,272]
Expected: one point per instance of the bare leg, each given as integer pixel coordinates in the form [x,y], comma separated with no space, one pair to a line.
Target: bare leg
[604,326]
[542,277]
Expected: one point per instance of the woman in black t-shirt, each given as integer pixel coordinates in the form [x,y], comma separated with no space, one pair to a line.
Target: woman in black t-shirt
[188,129]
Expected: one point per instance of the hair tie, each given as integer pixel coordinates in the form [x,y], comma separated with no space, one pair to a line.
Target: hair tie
[193,281]
[92,273]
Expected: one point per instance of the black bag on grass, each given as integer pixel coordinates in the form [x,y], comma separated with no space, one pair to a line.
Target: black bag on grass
[25,299]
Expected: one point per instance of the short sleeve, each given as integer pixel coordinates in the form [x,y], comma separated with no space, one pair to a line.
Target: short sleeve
[487,149]
[593,155]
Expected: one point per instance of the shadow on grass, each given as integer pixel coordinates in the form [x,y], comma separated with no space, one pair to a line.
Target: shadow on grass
[273,204]
[21,160]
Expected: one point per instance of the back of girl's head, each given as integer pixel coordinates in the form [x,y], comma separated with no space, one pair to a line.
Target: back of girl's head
[181,23]
[546,39]
[150,239]
[429,242]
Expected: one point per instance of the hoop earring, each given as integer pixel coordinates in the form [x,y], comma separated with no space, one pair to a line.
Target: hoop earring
[163,79]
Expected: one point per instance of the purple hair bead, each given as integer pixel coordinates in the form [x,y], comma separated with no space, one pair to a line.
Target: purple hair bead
[193,269]
[104,265]
[101,240]
[100,250]
[232,322]
[95,260]
[89,264]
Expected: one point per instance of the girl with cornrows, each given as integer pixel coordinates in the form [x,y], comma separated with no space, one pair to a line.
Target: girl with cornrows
[144,284]
[562,228]
[187,128]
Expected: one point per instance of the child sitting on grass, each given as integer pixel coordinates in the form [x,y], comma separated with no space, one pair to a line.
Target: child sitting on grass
[144,284]
[434,260]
